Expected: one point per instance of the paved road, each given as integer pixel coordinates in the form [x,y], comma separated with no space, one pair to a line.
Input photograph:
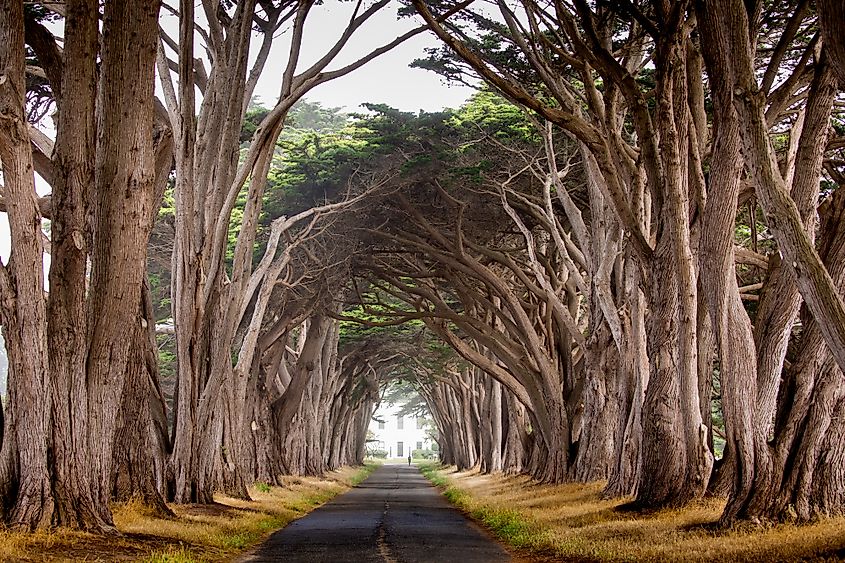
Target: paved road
[395,516]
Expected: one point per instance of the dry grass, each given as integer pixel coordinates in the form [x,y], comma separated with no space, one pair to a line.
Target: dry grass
[573,523]
[199,533]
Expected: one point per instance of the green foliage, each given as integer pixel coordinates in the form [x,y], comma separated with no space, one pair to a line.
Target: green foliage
[321,149]
[235,222]
[491,114]
[167,367]
[482,35]
[262,487]
[360,326]
[403,392]
[312,116]
[168,202]
[311,168]
[255,113]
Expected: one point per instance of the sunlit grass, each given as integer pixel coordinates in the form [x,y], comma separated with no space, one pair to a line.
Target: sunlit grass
[573,522]
[197,534]
[172,555]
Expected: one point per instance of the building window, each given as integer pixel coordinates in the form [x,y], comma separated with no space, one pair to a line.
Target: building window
[381,425]
[400,424]
[419,445]
[400,449]
[420,423]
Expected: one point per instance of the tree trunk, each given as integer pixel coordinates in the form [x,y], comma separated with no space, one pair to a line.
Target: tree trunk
[141,439]
[601,411]
[731,324]
[122,217]
[749,398]
[672,419]
[517,440]
[77,505]
[633,380]
[808,432]
[24,473]
[831,22]
[663,482]
[491,426]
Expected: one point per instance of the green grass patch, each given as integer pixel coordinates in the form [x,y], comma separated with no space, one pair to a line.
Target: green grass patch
[251,533]
[363,472]
[173,555]
[508,525]
[430,471]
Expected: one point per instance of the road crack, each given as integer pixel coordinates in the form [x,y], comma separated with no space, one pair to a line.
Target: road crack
[381,538]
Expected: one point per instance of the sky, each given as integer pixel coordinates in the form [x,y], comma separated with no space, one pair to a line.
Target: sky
[387,79]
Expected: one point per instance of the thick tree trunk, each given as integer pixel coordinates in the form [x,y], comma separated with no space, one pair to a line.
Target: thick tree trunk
[731,324]
[76,502]
[292,412]
[749,397]
[24,475]
[664,440]
[141,439]
[517,441]
[122,217]
[206,160]
[672,419]
[550,460]
[831,22]
[633,380]
[808,434]
[261,455]
[491,426]
[601,411]
[86,332]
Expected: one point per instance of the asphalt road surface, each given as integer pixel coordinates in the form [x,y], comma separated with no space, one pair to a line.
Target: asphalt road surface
[395,516]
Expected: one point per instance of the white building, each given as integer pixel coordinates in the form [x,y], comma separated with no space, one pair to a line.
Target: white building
[398,435]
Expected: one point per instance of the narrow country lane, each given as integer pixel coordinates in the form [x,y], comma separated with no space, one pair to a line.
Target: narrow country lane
[396,515]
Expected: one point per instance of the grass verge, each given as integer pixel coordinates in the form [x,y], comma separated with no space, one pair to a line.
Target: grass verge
[571,522]
[199,533]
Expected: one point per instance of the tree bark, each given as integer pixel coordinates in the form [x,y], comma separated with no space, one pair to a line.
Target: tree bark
[24,472]
[141,438]
[122,219]
[831,22]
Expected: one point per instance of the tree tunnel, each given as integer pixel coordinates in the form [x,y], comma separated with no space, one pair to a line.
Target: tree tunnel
[621,260]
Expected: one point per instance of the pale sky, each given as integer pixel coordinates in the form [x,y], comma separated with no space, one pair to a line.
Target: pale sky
[387,79]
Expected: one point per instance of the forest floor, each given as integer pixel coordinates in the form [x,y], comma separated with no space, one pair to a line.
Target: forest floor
[571,522]
[198,533]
